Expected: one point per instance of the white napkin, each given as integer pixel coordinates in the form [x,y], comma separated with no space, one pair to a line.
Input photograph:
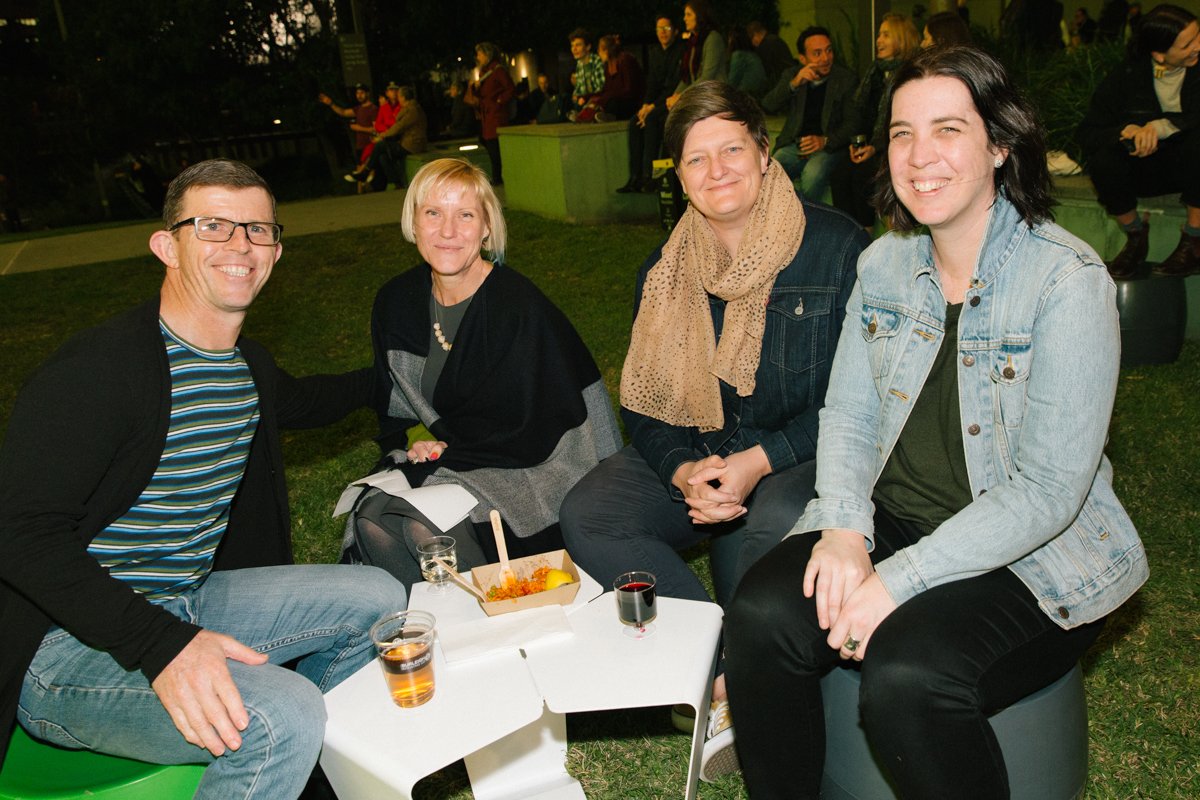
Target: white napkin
[445,504]
[484,636]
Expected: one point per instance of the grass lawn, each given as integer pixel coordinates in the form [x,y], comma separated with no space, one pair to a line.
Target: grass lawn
[1142,678]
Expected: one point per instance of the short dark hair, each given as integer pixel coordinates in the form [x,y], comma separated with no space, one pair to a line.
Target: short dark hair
[948,28]
[1007,117]
[408,92]
[214,172]
[755,27]
[580,33]
[611,42]
[1159,29]
[705,99]
[810,31]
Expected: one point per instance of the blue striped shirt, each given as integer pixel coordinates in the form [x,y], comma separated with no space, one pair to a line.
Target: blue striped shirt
[165,543]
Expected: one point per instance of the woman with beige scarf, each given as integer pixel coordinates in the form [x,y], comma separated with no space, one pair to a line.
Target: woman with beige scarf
[736,320]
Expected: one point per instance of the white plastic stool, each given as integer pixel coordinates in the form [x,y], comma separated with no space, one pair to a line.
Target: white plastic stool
[1044,739]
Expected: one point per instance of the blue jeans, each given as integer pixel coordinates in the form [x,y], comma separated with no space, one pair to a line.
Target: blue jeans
[620,517]
[318,616]
[813,171]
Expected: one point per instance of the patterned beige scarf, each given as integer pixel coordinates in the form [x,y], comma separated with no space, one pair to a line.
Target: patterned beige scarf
[673,365]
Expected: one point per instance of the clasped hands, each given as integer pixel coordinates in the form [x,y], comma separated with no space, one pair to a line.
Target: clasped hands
[735,476]
[851,599]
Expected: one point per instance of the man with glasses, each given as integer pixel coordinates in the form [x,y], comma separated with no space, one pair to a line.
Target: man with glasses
[148,603]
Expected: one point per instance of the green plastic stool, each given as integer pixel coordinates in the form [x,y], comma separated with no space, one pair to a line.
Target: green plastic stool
[37,771]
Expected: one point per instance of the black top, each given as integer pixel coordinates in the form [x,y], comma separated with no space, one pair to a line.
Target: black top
[925,479]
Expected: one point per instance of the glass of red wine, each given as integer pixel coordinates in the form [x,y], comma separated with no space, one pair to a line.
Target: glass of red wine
[636,606]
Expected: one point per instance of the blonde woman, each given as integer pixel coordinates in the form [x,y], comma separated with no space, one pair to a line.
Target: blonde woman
[854,181]
[472,350]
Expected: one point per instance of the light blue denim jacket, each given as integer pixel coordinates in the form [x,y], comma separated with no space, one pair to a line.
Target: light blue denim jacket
[1038,356]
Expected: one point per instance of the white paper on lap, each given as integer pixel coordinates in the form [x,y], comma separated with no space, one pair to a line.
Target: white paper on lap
[445,504]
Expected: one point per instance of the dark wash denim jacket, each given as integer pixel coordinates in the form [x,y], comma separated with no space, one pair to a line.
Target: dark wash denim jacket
[804,319]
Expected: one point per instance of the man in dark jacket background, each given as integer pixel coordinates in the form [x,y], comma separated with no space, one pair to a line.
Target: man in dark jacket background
[646,126]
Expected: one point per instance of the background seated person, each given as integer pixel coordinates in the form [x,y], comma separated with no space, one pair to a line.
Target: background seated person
[623,85]
[407,134]
[966,544]
[818,98]
[472,350]
[1141,137]
[735,322]
[646,126]
[588,78]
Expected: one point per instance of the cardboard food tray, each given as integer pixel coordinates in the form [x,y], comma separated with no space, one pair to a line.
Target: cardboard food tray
[488,575]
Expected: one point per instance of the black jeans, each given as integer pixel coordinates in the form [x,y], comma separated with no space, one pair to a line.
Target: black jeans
[620,517]
[935,669]
[1120,179]
[645,143]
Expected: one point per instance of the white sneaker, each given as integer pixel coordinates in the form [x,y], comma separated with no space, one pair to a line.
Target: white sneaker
[719,756]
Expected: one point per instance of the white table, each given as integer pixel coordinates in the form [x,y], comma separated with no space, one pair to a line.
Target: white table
[504,713]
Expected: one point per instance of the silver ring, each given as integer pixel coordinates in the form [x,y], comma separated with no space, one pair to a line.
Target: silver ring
[851,644]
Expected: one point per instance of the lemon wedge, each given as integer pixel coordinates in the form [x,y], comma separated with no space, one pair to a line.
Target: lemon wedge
[556,578]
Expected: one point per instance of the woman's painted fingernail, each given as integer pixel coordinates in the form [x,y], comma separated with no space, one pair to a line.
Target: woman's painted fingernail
[434,456]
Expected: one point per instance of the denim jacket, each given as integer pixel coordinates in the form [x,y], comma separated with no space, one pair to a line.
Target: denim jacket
[804,316]
[1038,353]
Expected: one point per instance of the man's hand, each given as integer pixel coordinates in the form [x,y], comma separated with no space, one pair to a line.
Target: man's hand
[671,101]
[838,565]
[326,99]
[642,113]
[806,74]
[198,692]
[861,154]
[811,144]
[1145,139]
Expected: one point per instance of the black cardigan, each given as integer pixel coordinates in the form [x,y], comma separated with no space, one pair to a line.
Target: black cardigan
[1126,96]
[85,436]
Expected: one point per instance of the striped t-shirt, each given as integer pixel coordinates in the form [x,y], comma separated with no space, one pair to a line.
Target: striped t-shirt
[164,544]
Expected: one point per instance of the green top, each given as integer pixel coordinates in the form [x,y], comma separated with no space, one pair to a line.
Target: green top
[925,479]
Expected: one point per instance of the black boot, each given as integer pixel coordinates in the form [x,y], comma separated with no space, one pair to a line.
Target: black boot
[1128,263]
[1184,260]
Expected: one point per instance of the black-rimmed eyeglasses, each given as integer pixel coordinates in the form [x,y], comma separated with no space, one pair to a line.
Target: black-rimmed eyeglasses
[215,229]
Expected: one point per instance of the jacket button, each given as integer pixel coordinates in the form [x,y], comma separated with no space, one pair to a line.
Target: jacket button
[1063,612]
[1009,373]
[968,361]
[871,327]
[973,429]
[974,301]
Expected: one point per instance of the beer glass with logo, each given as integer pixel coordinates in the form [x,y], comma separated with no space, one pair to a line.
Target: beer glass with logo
[404,644]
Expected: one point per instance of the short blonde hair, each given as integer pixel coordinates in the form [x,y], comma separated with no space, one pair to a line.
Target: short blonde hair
[459,171]
[904,34]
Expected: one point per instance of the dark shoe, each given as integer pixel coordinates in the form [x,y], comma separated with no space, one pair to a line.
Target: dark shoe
[634,185]
[1184,260]
[1128,263]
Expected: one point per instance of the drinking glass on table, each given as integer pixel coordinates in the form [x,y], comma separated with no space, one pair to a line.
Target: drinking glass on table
[429,553]
[404,643]
[636,606]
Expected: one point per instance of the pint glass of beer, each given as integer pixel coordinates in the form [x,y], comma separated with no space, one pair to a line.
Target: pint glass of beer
[404,644]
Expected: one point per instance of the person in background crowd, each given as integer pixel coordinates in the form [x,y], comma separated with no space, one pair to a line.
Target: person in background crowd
[854,180]
[703,56]
[944,29]
[773,51]
[818,98]
[745,69]
[1141,137]
[362,118]
[646,126]
[490,95]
